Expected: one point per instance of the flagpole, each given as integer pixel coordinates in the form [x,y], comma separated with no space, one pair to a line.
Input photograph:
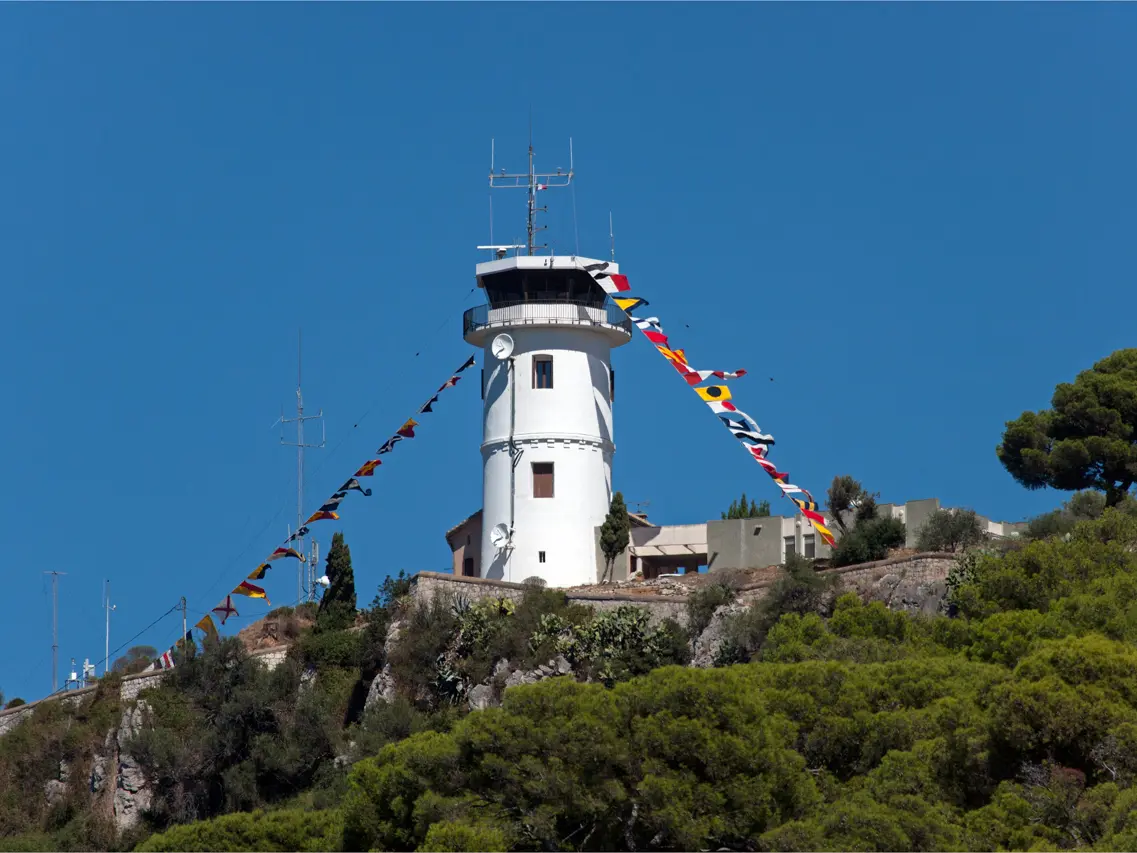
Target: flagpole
[185,630]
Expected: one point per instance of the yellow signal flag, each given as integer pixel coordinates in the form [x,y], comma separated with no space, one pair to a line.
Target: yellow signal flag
[629,303]
[714,393]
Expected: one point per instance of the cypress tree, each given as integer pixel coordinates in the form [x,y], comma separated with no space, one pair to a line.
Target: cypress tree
[337,607]
[614,533]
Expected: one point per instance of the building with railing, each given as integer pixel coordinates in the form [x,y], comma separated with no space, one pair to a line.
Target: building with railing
[547,331]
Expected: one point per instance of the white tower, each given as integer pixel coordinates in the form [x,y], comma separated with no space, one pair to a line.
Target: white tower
[547,334]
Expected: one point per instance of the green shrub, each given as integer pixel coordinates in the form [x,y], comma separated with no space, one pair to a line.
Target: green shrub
[324,649]
[870,540]
[950,530]
[702,604]
[284,829]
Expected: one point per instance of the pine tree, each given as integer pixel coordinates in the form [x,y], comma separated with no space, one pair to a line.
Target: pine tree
[614,533]
[337,607]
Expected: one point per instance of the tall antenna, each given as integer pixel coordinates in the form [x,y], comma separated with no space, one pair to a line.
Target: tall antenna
[612,235]
[533,182]
[55,629]
[302,571]
[108,607]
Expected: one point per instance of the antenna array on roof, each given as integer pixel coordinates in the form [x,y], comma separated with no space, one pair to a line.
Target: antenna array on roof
[534,182]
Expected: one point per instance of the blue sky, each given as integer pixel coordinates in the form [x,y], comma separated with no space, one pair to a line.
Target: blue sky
[916,218]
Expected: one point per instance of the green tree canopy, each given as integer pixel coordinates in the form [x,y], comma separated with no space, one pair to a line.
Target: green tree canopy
[950,530]
[614,533]
[136,659]
[337,607]
[1086,439]
[741,509]
[846,494]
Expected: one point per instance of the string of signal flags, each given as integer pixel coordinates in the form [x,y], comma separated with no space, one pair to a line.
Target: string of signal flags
[328,511]
[717,397]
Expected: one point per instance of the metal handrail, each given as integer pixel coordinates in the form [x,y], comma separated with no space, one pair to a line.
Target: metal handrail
[525,313]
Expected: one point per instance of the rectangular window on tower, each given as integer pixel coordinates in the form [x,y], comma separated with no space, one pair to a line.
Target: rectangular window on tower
[483,383]
[468,567]
[542,371]
[542,479]
[611,384]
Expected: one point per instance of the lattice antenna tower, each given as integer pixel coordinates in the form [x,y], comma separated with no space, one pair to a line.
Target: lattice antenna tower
[305,589]
[532,182]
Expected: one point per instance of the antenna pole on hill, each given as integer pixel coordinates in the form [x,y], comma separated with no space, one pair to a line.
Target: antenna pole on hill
[303,570]
[108,607]
[533,182]
[55,629]
[184,628]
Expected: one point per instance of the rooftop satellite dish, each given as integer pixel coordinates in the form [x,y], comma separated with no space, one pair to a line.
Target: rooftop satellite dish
[502,347]
[499,537]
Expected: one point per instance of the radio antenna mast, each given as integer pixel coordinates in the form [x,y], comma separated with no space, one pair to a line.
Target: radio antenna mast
[533,182]
[55,629]
[108,607]
[302,571]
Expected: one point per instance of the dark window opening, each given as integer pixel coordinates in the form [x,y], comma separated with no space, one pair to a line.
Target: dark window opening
[809,546]
[789,546]
[468,567]
[483,383]
[542,371]
[540,556]
[542,479]
[611,384]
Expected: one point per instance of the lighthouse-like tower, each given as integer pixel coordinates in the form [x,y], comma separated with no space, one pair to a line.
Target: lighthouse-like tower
[547,331]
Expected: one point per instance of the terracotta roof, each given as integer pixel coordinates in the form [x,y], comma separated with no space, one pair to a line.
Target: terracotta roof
[461,524]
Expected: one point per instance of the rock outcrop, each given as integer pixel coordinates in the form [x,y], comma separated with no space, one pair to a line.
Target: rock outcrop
[132,794]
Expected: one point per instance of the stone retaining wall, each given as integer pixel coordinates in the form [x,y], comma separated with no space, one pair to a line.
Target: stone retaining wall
[427,585]
[923,575]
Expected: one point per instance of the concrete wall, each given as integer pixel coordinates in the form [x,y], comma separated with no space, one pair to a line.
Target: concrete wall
[750,543]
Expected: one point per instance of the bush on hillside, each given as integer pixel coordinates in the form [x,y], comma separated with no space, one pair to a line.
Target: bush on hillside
[868,541]
[950,530]
[283,829]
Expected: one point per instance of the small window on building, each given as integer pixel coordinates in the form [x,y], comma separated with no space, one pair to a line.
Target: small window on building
[483,383]
[468,567]
[468,539]
[789,546]
[611,384]
[542,479]
[542,371]
[540,556]
[808,547]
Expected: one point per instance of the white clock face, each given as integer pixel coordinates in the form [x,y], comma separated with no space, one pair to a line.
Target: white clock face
[502,347]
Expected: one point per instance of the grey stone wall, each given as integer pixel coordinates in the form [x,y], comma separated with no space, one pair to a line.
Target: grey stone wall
[911,583]
[427,585]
